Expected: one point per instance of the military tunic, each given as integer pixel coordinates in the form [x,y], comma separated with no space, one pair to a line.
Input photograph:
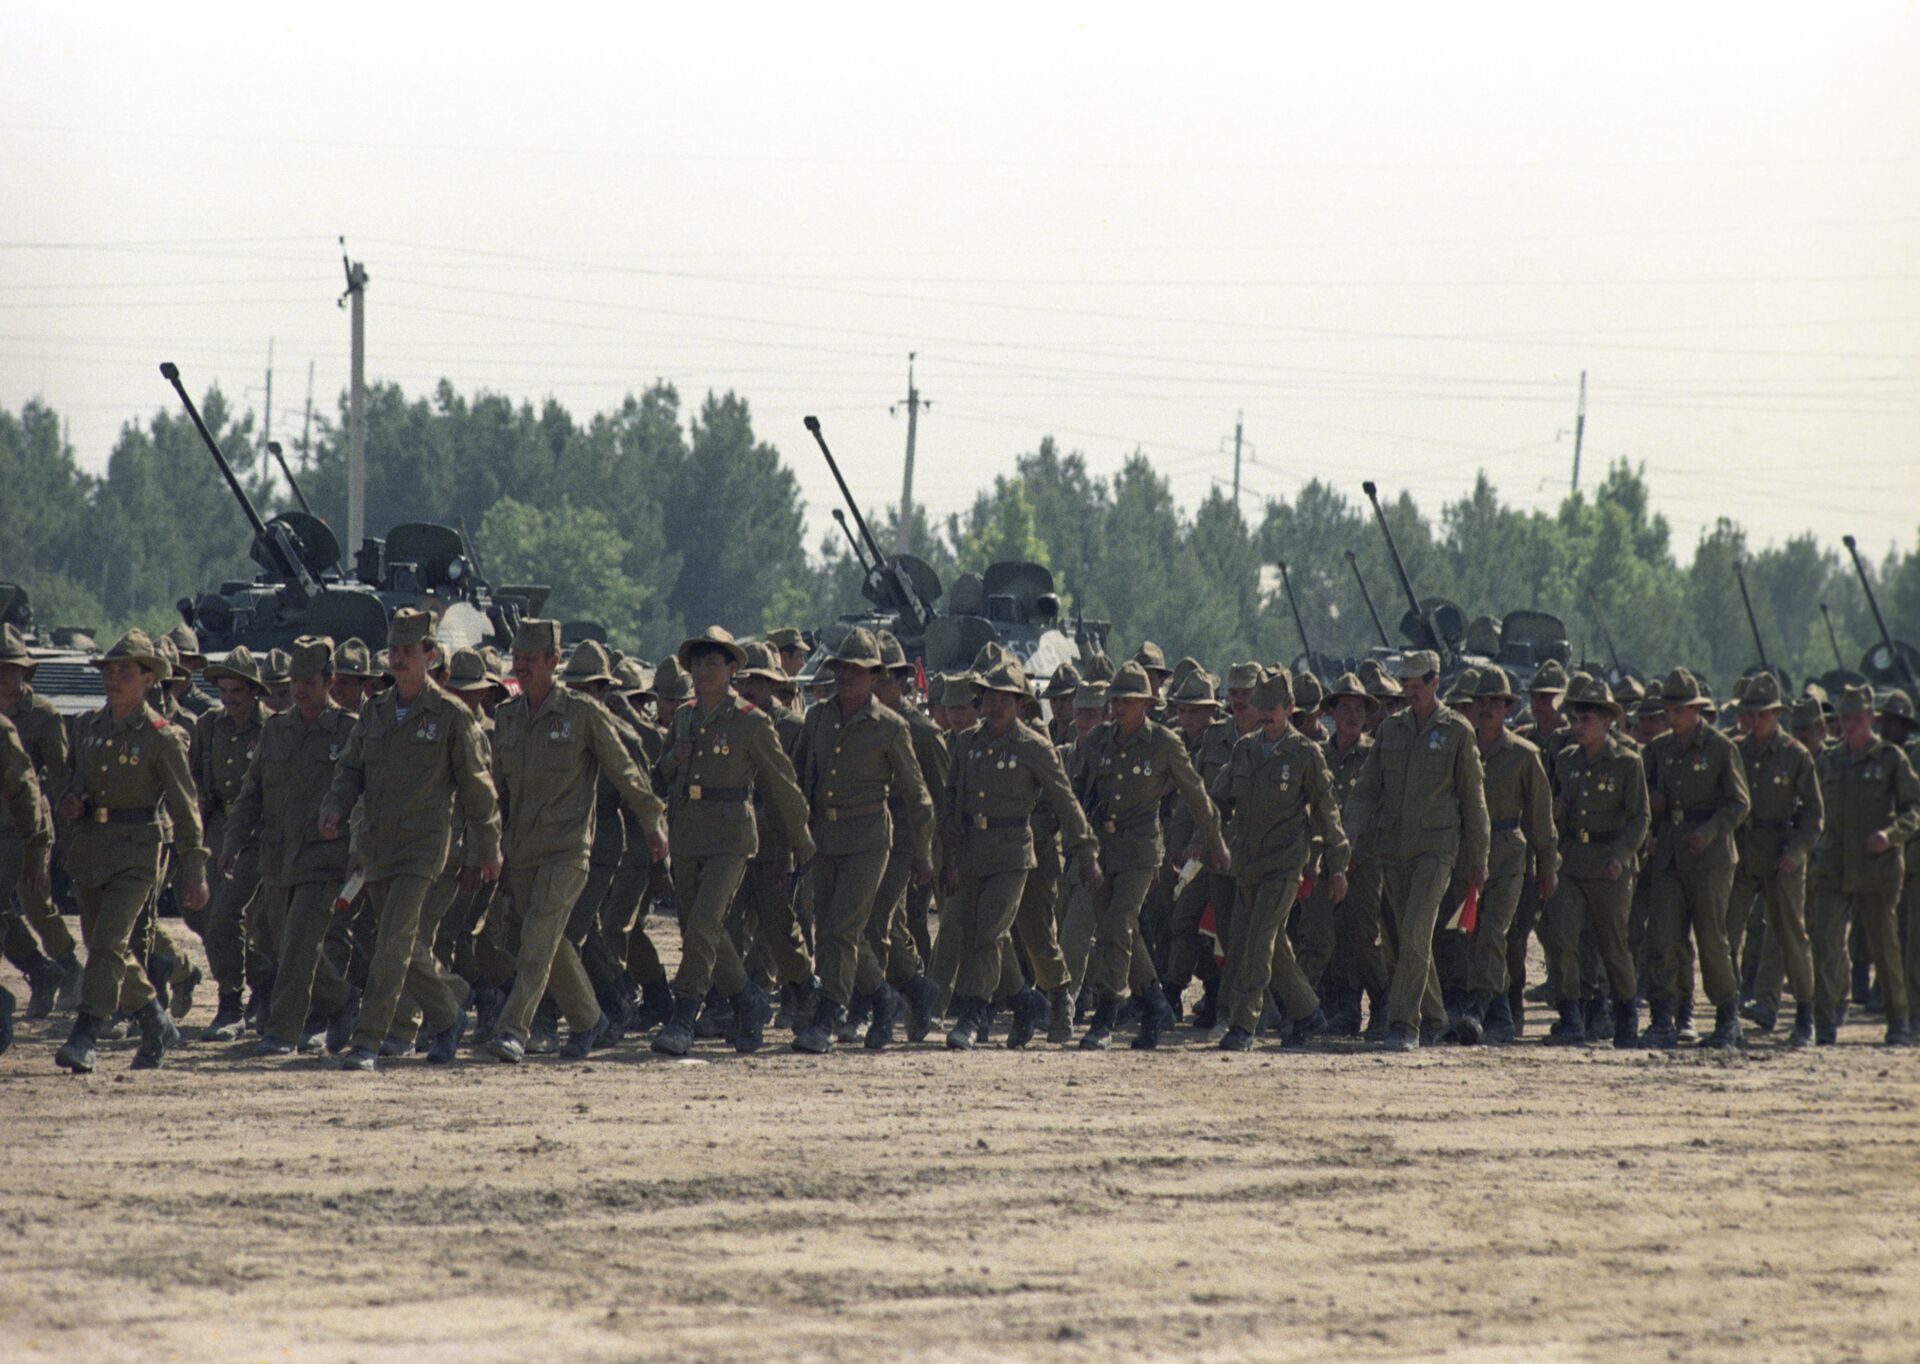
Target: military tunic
[43,735]
[1603,821]
[221,753]
[1190,952]
[1785,820]
[1522,843]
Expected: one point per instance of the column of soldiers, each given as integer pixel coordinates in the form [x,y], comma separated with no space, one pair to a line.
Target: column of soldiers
[445,853]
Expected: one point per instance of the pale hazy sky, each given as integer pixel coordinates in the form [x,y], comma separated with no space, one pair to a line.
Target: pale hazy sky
[1392,237]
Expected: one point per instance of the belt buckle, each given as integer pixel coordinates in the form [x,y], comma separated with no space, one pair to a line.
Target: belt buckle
[693,793]
[979,821]
[99,814]
[1679,818]
[833,814]
[1584,836]
[1112,826]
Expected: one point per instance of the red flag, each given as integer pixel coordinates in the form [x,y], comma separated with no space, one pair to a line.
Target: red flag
[1470,910]
[920,674]
[1210,928]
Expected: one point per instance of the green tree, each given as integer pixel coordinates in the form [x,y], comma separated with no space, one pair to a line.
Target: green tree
[577,550]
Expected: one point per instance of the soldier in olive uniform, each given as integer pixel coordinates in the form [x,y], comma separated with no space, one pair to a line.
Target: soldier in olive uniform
[1600,786]
[129,765]
[1277,795]
[720,750]
[55,975]
[352,670]
[276,673]
[1776,843]
[853,754]
[275,817]
[1129,766]
[1697,791]
[224,740]
[1899,726]
[1421,796]
[551,745]
[1002,770]
[1872,806]
[25,842]
[411,750]
[1210,740]
[188,660]
[1338,946]
[791,647]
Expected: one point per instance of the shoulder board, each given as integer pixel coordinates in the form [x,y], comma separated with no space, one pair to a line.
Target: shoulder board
[160,722]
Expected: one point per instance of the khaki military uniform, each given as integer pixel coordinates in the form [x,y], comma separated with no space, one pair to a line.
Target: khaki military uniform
[1422,797]
[1873,791]
[132,775]
[43,736]
[623,920]
[1705,791]
[275,813]
[1604,819]
[404,773]
[767,889]
[547,762]
[1338,946]
[1528,913]
[1786,818]
[27,836]
[221,753]
[1278,798]
[1522,845]
[1189,951]
[995,786]
[888,935]
[848,767]
[1127,776]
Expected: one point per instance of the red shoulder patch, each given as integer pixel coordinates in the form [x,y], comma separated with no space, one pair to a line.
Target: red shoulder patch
[748,707]
[160,722]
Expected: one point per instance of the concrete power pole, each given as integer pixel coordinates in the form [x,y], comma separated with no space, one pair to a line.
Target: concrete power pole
[1239,422]
[914,404]
[266,433]
[306,423]
[356,404]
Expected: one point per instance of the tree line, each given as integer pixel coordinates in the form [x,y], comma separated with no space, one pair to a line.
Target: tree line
[657,521]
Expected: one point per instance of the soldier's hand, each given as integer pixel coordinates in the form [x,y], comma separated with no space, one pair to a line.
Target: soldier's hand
[71,809]
[657,845]
[1613,870]
[329,825]
[949,880]
[1090,874]
[1219,858]
[1477,876]
[1547,884]
[922,870]
[1878,842]
[1695,842]
[194,896]
[803,850]
[229,864]
[491,868]
[1788,865]
[1337,887]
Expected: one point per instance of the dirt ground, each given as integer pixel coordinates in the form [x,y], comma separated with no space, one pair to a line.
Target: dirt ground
[1521,1203]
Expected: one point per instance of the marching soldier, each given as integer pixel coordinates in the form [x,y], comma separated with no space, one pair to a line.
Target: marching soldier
[551,744]
[352,671]
[1129,765]
[412,748]
[1776,842]
[720,749]
[130,765]
[852,754]
[54,977]
[274,819]
[1697,791]
[224,740]
[188,660]
[1871,800]
[1278,795]
[26,841]
[1422,797]
[1002,770]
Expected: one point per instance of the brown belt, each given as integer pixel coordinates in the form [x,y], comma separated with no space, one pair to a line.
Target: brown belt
[836,813]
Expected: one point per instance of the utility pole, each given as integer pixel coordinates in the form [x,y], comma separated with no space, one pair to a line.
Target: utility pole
[356,403]
[306,424]
[1579,429]
[914,404]
[1241,445]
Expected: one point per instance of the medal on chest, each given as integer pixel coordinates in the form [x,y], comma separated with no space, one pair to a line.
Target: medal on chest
[560,729]
[427,732]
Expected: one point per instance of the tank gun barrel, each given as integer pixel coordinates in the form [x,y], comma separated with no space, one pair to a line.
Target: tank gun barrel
[279,543]
[273,448]
[1600,619]
[1293,604]
[840,518]
[1400,571]
[1873,604]
[1746,600]
[1838,660]
[887,577]
[1353,562]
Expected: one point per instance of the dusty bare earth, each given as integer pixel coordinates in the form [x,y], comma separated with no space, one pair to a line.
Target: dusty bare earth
[1523,1203]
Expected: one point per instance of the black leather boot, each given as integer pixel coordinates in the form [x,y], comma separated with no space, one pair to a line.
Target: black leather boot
[1802,1035]
[966,1022]
[817,1037]
[1571,1030]
[157,1033]
[78,1055]
[1156,1015]
[1099,1033]
[676,1038]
